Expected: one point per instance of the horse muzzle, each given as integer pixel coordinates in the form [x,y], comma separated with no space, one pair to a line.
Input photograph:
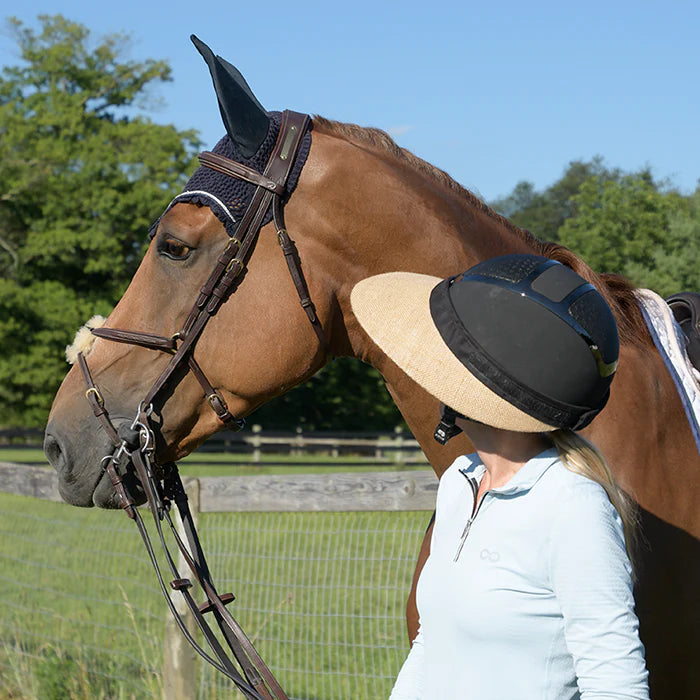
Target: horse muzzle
[78,461]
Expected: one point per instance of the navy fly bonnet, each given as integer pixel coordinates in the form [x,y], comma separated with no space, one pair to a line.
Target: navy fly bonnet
[229,197]
[251,136]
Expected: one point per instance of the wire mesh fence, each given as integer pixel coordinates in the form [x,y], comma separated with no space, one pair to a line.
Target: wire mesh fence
[77,607]
[321,594]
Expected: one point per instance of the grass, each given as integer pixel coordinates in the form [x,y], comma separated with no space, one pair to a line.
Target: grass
[22,456]
[321,594]
[60,612]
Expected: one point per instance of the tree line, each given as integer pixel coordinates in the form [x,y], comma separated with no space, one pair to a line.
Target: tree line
[84,171]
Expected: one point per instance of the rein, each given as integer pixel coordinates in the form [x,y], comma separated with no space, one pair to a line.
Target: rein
[134,444]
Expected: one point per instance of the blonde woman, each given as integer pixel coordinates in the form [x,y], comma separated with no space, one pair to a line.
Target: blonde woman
[527,592]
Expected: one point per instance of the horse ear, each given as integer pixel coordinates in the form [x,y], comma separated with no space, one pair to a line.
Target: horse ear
[245,119]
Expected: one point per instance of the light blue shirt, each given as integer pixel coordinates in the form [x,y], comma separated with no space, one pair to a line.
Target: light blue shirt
[538,603]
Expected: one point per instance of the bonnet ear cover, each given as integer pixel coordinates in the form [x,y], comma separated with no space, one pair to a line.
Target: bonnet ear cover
[246,121]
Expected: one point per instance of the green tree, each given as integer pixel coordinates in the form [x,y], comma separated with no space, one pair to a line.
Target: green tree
[626,223]
[675,263]
[82,175]
[543,213]
[345,395]
[631,227]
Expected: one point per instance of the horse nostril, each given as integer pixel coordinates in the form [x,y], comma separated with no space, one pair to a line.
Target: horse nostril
[54,453]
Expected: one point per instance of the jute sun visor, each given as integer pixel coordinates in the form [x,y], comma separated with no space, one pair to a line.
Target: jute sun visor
[394,310]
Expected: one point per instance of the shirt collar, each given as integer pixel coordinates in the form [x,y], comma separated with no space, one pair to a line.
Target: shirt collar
[523,480]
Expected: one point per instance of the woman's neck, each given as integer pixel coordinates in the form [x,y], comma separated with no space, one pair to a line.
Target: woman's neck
[503,452]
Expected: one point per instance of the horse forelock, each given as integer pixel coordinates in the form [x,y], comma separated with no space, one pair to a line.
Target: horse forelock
[618,292]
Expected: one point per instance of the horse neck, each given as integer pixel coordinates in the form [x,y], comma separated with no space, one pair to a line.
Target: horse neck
[402,219]
[398,218]
[421,412]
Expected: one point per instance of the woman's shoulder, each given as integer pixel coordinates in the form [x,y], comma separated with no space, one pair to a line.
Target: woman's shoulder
[571,484]
[578,498]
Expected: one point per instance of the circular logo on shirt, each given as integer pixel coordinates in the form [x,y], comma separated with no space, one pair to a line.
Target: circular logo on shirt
[488,555]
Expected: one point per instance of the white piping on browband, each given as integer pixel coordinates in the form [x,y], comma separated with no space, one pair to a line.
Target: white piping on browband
[206,194]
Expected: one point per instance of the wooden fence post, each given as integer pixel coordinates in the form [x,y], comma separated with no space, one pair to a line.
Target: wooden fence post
[298,442]
[179,668]
[256,440]
[398,442]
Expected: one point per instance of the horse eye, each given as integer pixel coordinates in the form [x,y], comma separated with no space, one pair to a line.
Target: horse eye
[175,249]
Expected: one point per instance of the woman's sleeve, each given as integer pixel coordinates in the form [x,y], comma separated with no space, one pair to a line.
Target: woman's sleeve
[409,683]
[591,577]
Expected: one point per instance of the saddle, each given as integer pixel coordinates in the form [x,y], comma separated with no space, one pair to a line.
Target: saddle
[685,307]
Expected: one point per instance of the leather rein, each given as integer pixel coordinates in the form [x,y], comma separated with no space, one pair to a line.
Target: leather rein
[135,443]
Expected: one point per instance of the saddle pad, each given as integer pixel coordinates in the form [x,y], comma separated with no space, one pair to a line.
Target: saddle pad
[670,342]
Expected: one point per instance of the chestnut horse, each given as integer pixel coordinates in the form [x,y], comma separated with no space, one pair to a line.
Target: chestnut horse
[363,206]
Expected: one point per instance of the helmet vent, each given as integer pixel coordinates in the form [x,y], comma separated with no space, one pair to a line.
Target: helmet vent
[590,311]
[513,268]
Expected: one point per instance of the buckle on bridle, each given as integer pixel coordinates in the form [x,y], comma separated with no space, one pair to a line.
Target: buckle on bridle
[232,262]
[98,397]
[216,402]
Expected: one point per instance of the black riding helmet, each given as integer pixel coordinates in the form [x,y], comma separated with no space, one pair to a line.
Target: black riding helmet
[535,333]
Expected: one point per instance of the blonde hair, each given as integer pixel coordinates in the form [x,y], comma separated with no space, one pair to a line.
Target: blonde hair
[584,458]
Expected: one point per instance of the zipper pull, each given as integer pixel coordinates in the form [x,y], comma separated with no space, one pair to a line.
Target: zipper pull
[475,509]
[463,538]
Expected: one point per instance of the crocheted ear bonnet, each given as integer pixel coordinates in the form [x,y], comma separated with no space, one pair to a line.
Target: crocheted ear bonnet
[229,197]
[251,136]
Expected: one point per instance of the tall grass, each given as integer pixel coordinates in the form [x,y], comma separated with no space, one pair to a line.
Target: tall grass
[321,594]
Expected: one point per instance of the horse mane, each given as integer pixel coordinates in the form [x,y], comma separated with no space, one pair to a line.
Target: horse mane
[617,290]
[383,142]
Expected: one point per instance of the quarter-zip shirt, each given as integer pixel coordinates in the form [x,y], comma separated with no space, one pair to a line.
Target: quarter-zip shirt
[526,595]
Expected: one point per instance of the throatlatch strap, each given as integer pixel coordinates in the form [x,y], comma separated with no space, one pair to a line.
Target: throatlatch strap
[291,257]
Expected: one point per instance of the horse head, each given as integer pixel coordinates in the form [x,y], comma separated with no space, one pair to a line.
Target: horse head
[252,348]
[355,205]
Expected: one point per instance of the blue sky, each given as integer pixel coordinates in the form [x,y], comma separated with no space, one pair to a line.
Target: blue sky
[493,92]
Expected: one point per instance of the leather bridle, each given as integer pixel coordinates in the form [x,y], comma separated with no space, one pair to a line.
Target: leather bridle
[134,444]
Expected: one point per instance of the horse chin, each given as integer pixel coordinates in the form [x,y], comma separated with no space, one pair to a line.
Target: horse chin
[104,496]
[84,495]
[75,495]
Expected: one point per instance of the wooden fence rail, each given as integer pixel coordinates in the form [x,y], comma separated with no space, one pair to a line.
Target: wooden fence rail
[337,492]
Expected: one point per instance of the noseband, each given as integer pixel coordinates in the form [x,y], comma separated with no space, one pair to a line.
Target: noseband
[134,443]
